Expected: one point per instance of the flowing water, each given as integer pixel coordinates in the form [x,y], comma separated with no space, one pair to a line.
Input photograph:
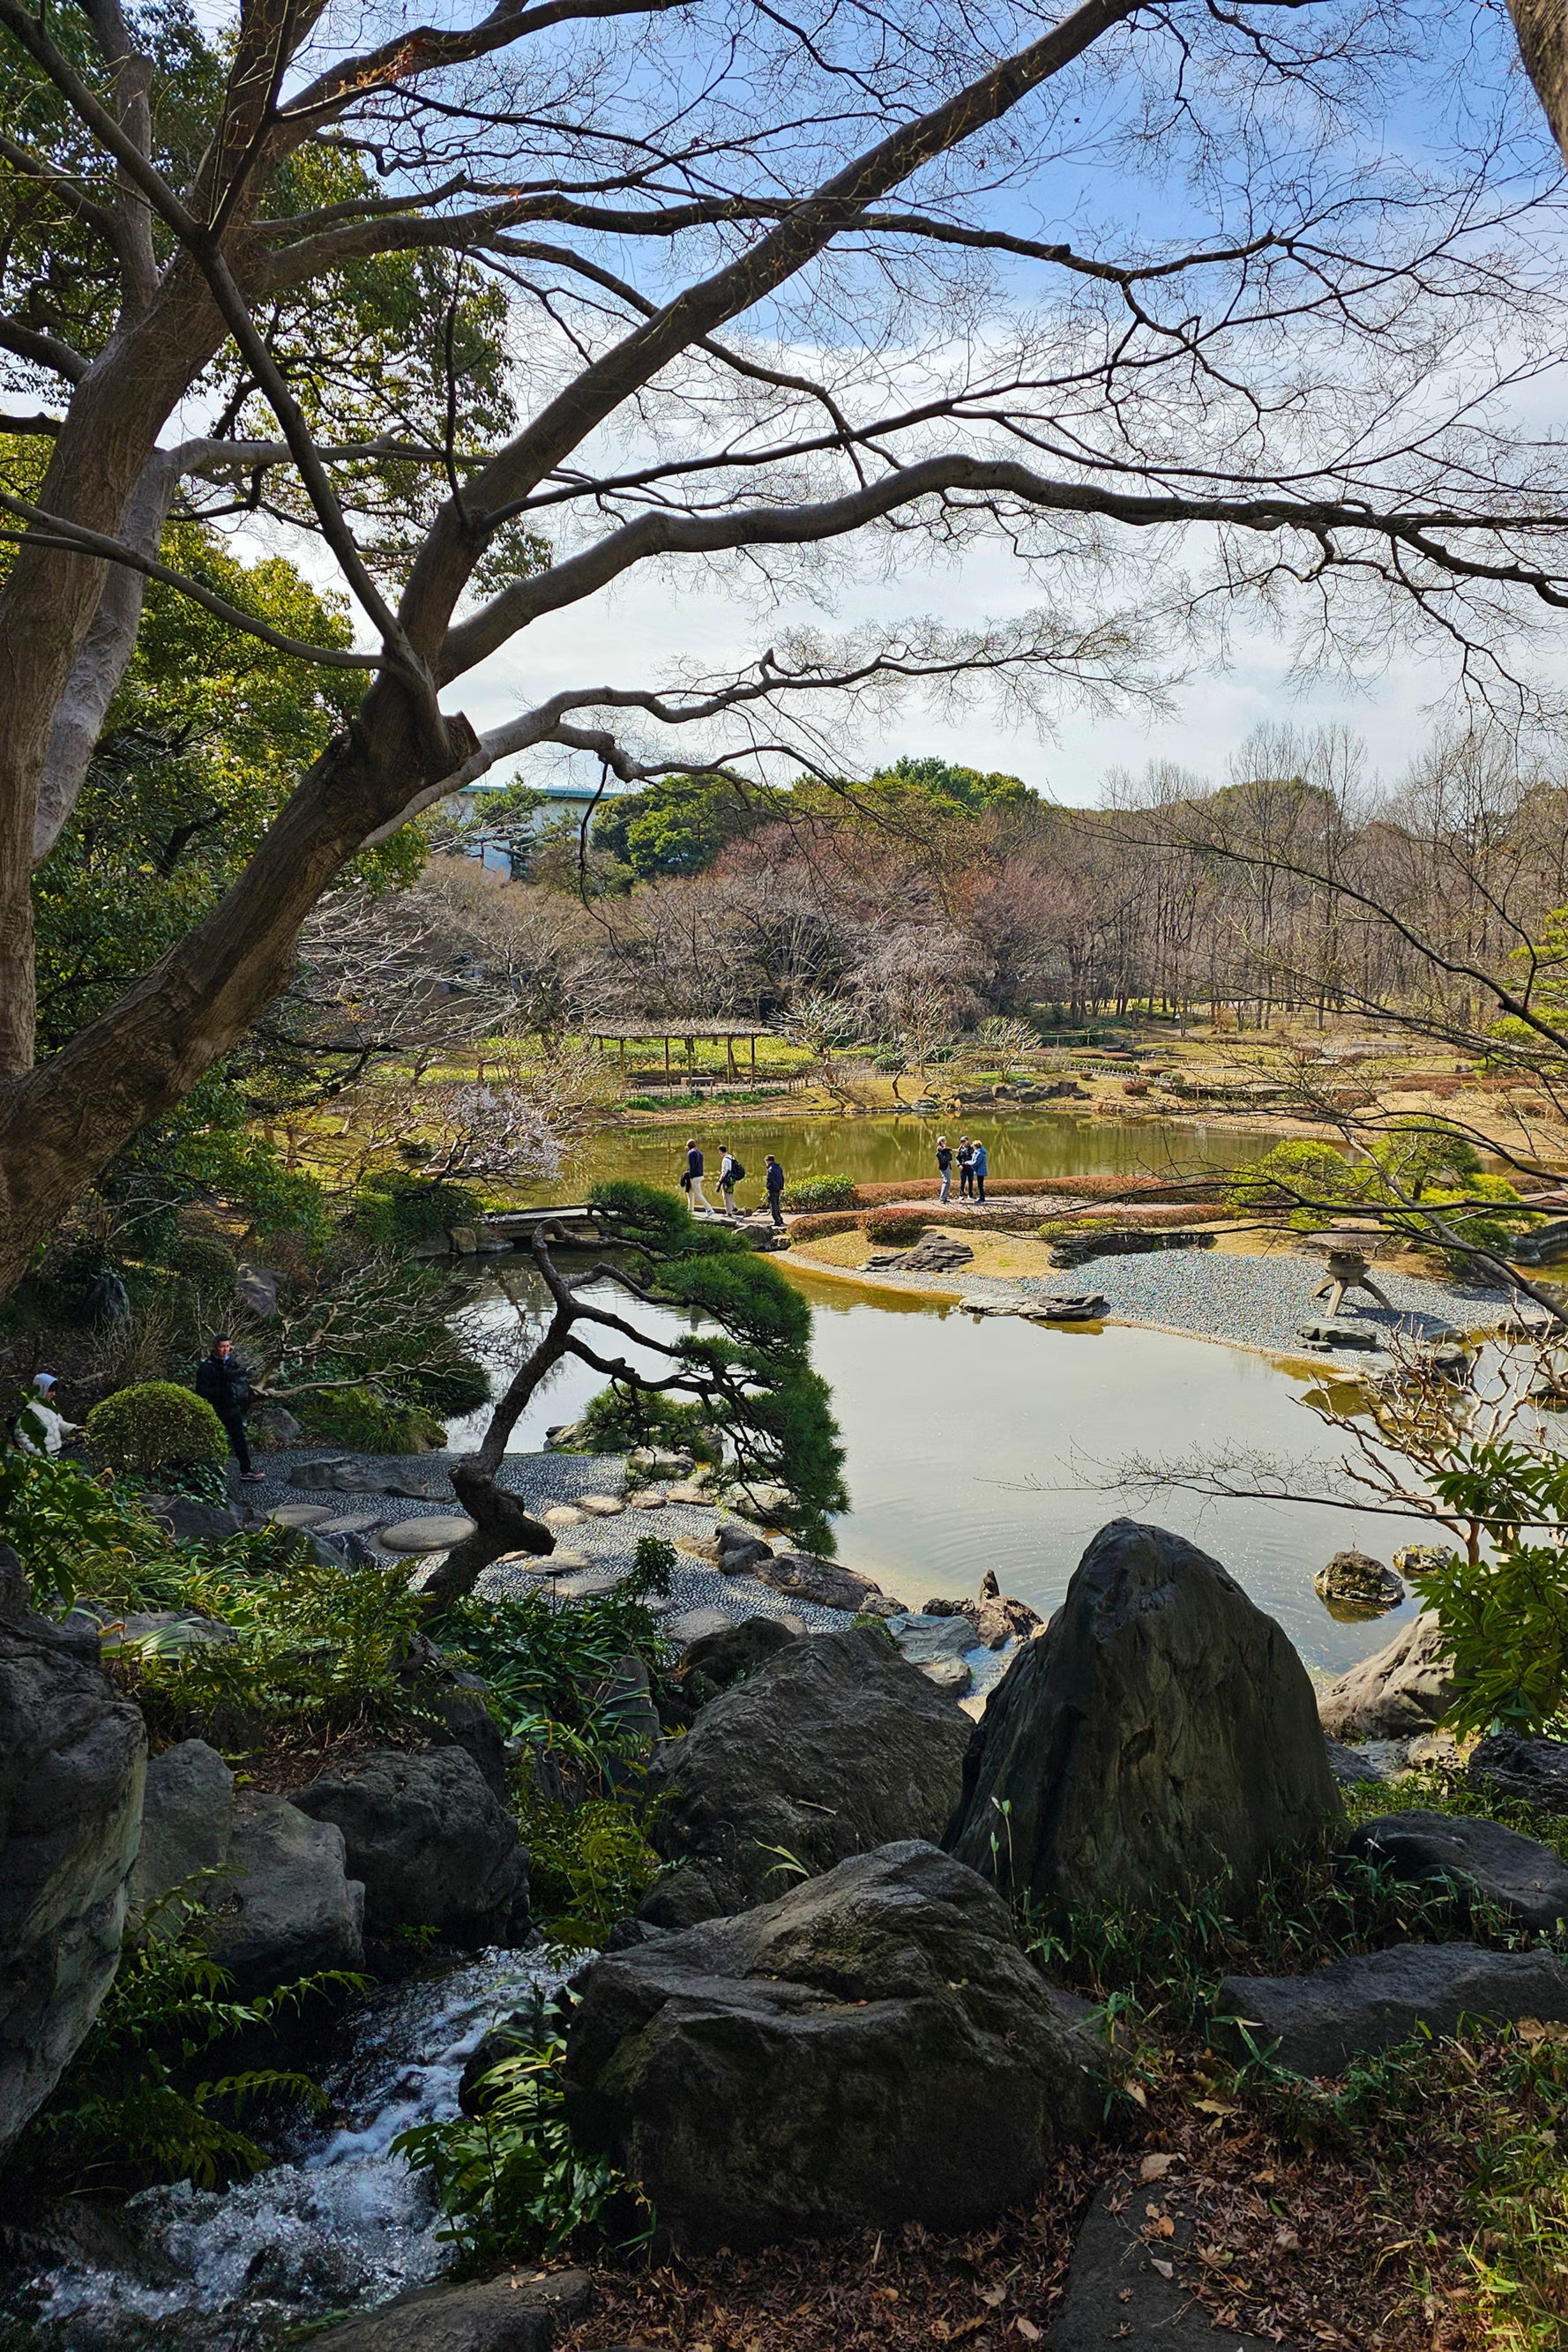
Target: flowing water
[342,2225]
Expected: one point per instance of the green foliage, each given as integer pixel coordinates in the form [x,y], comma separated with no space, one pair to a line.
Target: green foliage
[511,2179]
[750,1357]
[1420,1166]
[1506,1619]
[1312,1181]
[370,1422]
[391,1210]
[74,1534]
[211,1265]
[589,1865]
[680,824]
[138,2105]
[823,1192]
[318,1648]
[654,1563]
[546,1667]
[620,1418]
[155,1426]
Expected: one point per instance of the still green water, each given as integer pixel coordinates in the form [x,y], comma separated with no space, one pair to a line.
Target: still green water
[882,1148]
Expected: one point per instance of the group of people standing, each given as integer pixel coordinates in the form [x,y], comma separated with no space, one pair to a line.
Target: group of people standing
[730,1173]
[971,1162]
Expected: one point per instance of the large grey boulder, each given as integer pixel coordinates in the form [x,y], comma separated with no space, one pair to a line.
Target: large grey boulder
[1519,1875]
[872,2048]
[519,2312]
[809,1578]
[1315,2025]
[73,1755]
[1402,1688]
[429,1842]
[187,1819]
[1122,2293]
[289,1907]
[1532,1771]
[1160,1734]
[834,1746]
[716,1661]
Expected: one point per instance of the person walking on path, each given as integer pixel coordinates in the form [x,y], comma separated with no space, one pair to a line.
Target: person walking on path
[225,1382]
[945,1167]
[691,1182]
[774,1183]
[965,1167]
[978,1166]
[730,1173]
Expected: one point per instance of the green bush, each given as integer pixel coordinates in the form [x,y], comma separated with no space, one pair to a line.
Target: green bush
[370,1423]
[73,1534]
[833,1221]
[391,1211]
[211,1265]
[589,1865]
[822,1193]
[897,1228]
[618,1419]
[154,1427]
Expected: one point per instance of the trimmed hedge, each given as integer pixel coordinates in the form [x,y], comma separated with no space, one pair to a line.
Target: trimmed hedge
[834,1221]
[155,1425]
[823,1192]
[1062,1188]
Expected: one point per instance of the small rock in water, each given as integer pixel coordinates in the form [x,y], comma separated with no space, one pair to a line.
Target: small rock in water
[1353,1587]
[1078,1307]
[949,1674]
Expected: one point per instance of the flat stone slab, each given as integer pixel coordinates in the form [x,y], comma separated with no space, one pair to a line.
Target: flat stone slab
[588,1583]
[563,1515]
[1316,2024]
[344,1523]
[1520,1874]
[647,1498]
[300,1515]
[1123,2294]
[354,1474]
[692,1624]
[434,1533]
[1339,1335]
[600,1506]
[690,1494]
[1081,1306]
[925,1640]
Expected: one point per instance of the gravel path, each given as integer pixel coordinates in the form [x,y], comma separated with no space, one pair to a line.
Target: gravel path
[1249,1302]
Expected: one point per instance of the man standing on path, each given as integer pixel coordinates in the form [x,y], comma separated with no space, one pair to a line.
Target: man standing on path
[692,1182]
[978,1165]
[945,1167]
[730,1173]
[774,1182]
[225,1382]
[965,1167]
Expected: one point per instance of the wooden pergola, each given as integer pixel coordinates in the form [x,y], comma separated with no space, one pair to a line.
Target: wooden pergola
[645,1032]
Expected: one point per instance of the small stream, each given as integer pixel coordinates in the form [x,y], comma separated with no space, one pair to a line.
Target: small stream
[340,2225]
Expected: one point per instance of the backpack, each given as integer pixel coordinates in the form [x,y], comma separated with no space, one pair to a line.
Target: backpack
[737,1173]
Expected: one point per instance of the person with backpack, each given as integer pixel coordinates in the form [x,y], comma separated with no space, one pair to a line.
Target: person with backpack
[965,1167]
[692,1181]
[774,1184]
[225,1382]
[945,1167]
[730,1173]
[978,1165]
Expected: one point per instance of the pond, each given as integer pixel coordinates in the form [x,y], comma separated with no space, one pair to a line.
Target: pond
[979,1444]
[884,1147]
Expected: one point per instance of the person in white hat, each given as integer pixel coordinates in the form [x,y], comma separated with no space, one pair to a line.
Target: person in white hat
[40,1427]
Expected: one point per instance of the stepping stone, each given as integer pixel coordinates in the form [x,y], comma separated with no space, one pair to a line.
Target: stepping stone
[436,1533]
[1315,2025]
[550,1563]
[690,1494]
[646,1499]
[562,1515]
[300,1515]
[693,1623]
[601,1507]
[345,1523]
[588,1583]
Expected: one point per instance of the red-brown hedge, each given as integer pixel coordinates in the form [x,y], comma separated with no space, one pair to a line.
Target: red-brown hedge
[824,1222]
[1062,1188]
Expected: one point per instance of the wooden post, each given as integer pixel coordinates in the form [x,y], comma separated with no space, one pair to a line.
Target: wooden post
[730,1053]
[666,1056]
[753,1053]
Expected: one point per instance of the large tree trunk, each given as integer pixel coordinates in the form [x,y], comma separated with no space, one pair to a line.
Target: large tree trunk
[63,1121]
[1543,46]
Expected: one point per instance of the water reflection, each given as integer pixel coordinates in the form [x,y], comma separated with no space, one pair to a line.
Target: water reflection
[977,1445]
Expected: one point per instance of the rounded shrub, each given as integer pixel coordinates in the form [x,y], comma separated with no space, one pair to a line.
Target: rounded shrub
[390,1212]
[210,1265]
[154,1427]
[822,1193]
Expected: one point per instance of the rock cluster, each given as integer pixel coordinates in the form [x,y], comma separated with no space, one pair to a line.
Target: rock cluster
[932,1254]
[831,1747]
[1317,2024]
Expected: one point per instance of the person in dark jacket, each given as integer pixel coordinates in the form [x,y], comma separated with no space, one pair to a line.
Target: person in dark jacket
[774,1182]
[691,1182]
[225,1382]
